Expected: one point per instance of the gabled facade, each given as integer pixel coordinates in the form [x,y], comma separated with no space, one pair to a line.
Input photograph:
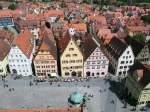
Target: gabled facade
[19,63]
[144,55]
[120,55]
[137,84]
[20,56]
[96,65]
[71,59]
[125,61]
[140,50]
[45,61]
[95,62]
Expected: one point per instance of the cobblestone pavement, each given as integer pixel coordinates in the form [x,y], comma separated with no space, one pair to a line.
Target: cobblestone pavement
[19,94]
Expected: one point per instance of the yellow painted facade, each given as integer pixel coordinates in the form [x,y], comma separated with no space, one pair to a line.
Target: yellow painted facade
[45,64]
[71,61]
[3,66]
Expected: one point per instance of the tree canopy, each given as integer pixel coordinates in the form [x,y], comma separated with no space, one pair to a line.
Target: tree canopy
[146,19]
[12,7]
[140,37]
[46,0]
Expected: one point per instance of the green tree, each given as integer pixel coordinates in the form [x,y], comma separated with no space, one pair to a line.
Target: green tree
[12,7]
[1,7]
[140,37]
[46,0]
[129,14]
[87,1]
[146,19]
[12,0]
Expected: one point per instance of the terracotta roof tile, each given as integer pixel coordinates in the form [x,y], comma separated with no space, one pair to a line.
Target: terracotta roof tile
[48,44]
[88,45]
[9,13]
[6,13]
[24,42]
[97,18]
[139,28]
[53,13]
[35,17]
[116,47]
[46,110]
[63,42]
[79,27]
[6,35]
[4,49]
[31,16]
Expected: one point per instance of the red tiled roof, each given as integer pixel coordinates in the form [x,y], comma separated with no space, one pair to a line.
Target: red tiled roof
[46,110]
[6,35]
[139,28]
[35,17]
[79,27]
[31,16]
[104,31]
[100,19]
[4,49]
[132,20]
[5,3]
[63,42]
[48,44]
[53,13]
[88,45]
[9,13]
[106,35]
[23,41]
[5,13]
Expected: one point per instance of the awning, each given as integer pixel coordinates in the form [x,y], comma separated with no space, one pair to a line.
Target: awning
[53,75]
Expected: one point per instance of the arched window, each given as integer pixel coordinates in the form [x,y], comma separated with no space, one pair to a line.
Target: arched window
[88,74]
[74,73]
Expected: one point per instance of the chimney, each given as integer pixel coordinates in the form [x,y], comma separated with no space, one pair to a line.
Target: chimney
[78,42]
[139,73]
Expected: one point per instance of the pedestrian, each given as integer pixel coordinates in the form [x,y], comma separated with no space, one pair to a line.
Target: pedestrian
[100,90]
[36,83]
[30,83]
[9,89]
[7,85]
[13,89]
[50,83]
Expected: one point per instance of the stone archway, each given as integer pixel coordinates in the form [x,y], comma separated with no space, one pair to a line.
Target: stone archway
[103,73]
[74,74]
[88,74]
